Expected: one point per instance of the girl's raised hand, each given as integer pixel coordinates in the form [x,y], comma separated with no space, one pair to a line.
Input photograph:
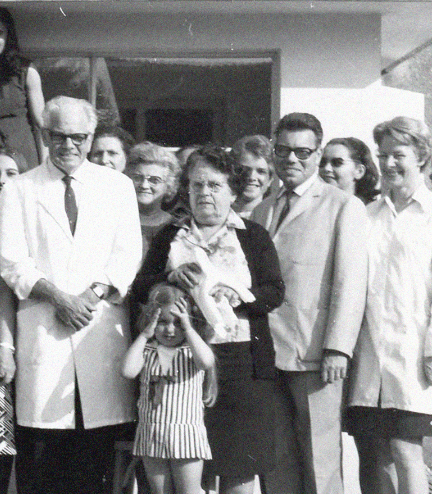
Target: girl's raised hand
[146,328]
[180,310]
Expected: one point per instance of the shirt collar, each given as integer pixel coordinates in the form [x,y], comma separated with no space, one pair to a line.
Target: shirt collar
[302,188]
[233,221]
[56,173]
[422,196]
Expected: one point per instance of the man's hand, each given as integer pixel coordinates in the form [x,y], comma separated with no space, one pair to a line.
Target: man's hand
[186,276]
[7,365]
[76,311]
[334,366]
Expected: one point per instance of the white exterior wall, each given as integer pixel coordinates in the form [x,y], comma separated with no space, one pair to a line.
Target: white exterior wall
[316,50]
[353,112]
[329,63]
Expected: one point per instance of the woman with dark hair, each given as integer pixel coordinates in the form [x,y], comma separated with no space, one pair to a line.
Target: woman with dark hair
[216,242]
[111,146]
[21,97]
[391,376]
[347,163]
[255,155]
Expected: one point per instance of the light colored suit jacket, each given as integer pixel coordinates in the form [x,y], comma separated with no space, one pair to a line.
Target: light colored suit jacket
[36,242]
[322,251]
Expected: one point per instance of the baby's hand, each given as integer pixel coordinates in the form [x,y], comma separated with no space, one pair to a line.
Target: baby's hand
[146,328]
[180,310]
[220,291]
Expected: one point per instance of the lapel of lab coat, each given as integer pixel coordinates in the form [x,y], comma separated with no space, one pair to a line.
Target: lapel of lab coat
[50,200]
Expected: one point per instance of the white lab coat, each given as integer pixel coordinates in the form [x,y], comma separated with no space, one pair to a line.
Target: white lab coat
[36,242]
[396,333]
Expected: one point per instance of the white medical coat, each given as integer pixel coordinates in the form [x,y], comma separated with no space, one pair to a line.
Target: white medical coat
[36,242]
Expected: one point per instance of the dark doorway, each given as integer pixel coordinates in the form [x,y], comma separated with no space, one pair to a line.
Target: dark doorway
[179,127]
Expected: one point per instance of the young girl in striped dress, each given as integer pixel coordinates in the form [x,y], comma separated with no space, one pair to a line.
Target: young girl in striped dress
[172,358]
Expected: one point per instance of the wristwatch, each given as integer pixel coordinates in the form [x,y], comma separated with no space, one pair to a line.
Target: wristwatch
[97,290]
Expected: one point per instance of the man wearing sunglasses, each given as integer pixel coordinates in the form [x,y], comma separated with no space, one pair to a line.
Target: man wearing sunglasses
[319,232]
[70,248]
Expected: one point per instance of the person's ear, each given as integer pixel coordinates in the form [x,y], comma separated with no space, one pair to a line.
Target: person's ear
[359,171]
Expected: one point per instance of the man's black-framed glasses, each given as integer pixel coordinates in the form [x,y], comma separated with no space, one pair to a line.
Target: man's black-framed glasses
[59,138]
[282,151]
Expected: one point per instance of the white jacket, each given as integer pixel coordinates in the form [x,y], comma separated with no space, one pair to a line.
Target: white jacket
[36,242]
[396,333]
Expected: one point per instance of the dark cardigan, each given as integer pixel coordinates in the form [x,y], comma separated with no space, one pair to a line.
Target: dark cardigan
[267,286]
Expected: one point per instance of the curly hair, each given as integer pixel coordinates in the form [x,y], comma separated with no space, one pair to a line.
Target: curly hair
[219,159]
[148,153]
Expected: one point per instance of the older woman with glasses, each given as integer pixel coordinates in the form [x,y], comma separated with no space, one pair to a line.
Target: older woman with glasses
[214,240]
[154,171]
[391,395]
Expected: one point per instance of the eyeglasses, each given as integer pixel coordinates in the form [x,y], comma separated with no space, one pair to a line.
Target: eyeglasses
[214,187]
[151,179]
[335,162]
[301,153]
[59,138]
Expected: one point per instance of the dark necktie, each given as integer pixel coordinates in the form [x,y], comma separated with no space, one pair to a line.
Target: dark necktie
[285,210]
[70,203]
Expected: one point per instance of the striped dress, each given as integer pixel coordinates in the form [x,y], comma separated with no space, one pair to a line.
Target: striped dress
[7,442]
[171,409]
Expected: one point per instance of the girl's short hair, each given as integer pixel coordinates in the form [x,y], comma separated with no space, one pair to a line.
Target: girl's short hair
[407,131]
[148,153]
[163,294]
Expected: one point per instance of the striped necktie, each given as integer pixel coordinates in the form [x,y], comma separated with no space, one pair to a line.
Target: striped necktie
[70,203]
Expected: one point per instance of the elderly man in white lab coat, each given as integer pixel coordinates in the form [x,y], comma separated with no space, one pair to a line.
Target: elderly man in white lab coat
[70,247]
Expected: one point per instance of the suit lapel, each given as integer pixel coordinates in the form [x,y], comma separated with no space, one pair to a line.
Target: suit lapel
[303,203]
[50,199]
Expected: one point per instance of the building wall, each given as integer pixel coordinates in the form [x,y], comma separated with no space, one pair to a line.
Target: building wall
[332,51]
[326,60]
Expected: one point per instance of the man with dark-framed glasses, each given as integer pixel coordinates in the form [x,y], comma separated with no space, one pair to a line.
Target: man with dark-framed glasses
[70,247]
[319,232]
